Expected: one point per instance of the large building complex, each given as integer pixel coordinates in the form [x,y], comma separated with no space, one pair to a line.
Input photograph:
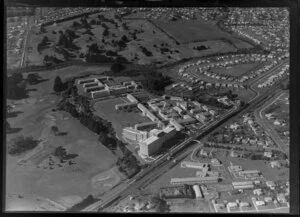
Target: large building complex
[166,115]
[106,86]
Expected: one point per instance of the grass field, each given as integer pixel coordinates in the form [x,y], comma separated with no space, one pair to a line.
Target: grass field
[236,70]
[119,119]
[197,30]
[36,176]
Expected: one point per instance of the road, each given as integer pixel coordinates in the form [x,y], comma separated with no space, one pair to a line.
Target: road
[270,131]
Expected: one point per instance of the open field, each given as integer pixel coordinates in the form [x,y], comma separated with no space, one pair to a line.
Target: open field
[236,70]
[197,30]
[120,119]
[38,173]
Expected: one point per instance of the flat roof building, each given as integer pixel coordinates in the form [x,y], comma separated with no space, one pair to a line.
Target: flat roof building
[195,180]
[131,98]
[156,140]
[194,165]
[100,93]
[177,125]
[87,80]
[197,191]
[93,88]
[145,125]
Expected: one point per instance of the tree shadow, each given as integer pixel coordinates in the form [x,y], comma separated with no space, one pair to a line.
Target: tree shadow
[14,130]
[13,114]
[62,134]
[38,81]
[31,89]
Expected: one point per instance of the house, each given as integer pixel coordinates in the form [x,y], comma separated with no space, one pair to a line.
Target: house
[268,199]
[257,191]
[269,116]
[231,205]
[260,203]
[277,123]
[220,205]
[268,154]
[215,162]
[235,168]
[234,126]
[233,154]
[275,164]
[281,198]
[203,152]
[271,184]
[256,182]
[244,204]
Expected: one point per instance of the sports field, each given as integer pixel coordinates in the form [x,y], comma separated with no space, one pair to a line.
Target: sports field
[196,30]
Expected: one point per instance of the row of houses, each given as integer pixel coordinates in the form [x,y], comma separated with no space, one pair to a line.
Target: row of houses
[275,77]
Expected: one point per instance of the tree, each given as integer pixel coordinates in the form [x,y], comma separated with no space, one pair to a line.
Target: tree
[58,84]
[93,22]
[117,67]
[22,144]
[54,129]
[33,78]
[8,127]
[42,29]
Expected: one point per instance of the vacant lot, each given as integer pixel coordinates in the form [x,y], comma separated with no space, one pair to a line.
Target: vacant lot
[236,70]
[197,30]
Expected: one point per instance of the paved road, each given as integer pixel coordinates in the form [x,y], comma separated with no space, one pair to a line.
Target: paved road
[270,130]
[30,23]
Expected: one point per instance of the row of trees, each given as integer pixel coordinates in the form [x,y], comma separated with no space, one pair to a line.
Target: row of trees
[16,86]
[155,82]
[146,51]
[22,144]
[50,60]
